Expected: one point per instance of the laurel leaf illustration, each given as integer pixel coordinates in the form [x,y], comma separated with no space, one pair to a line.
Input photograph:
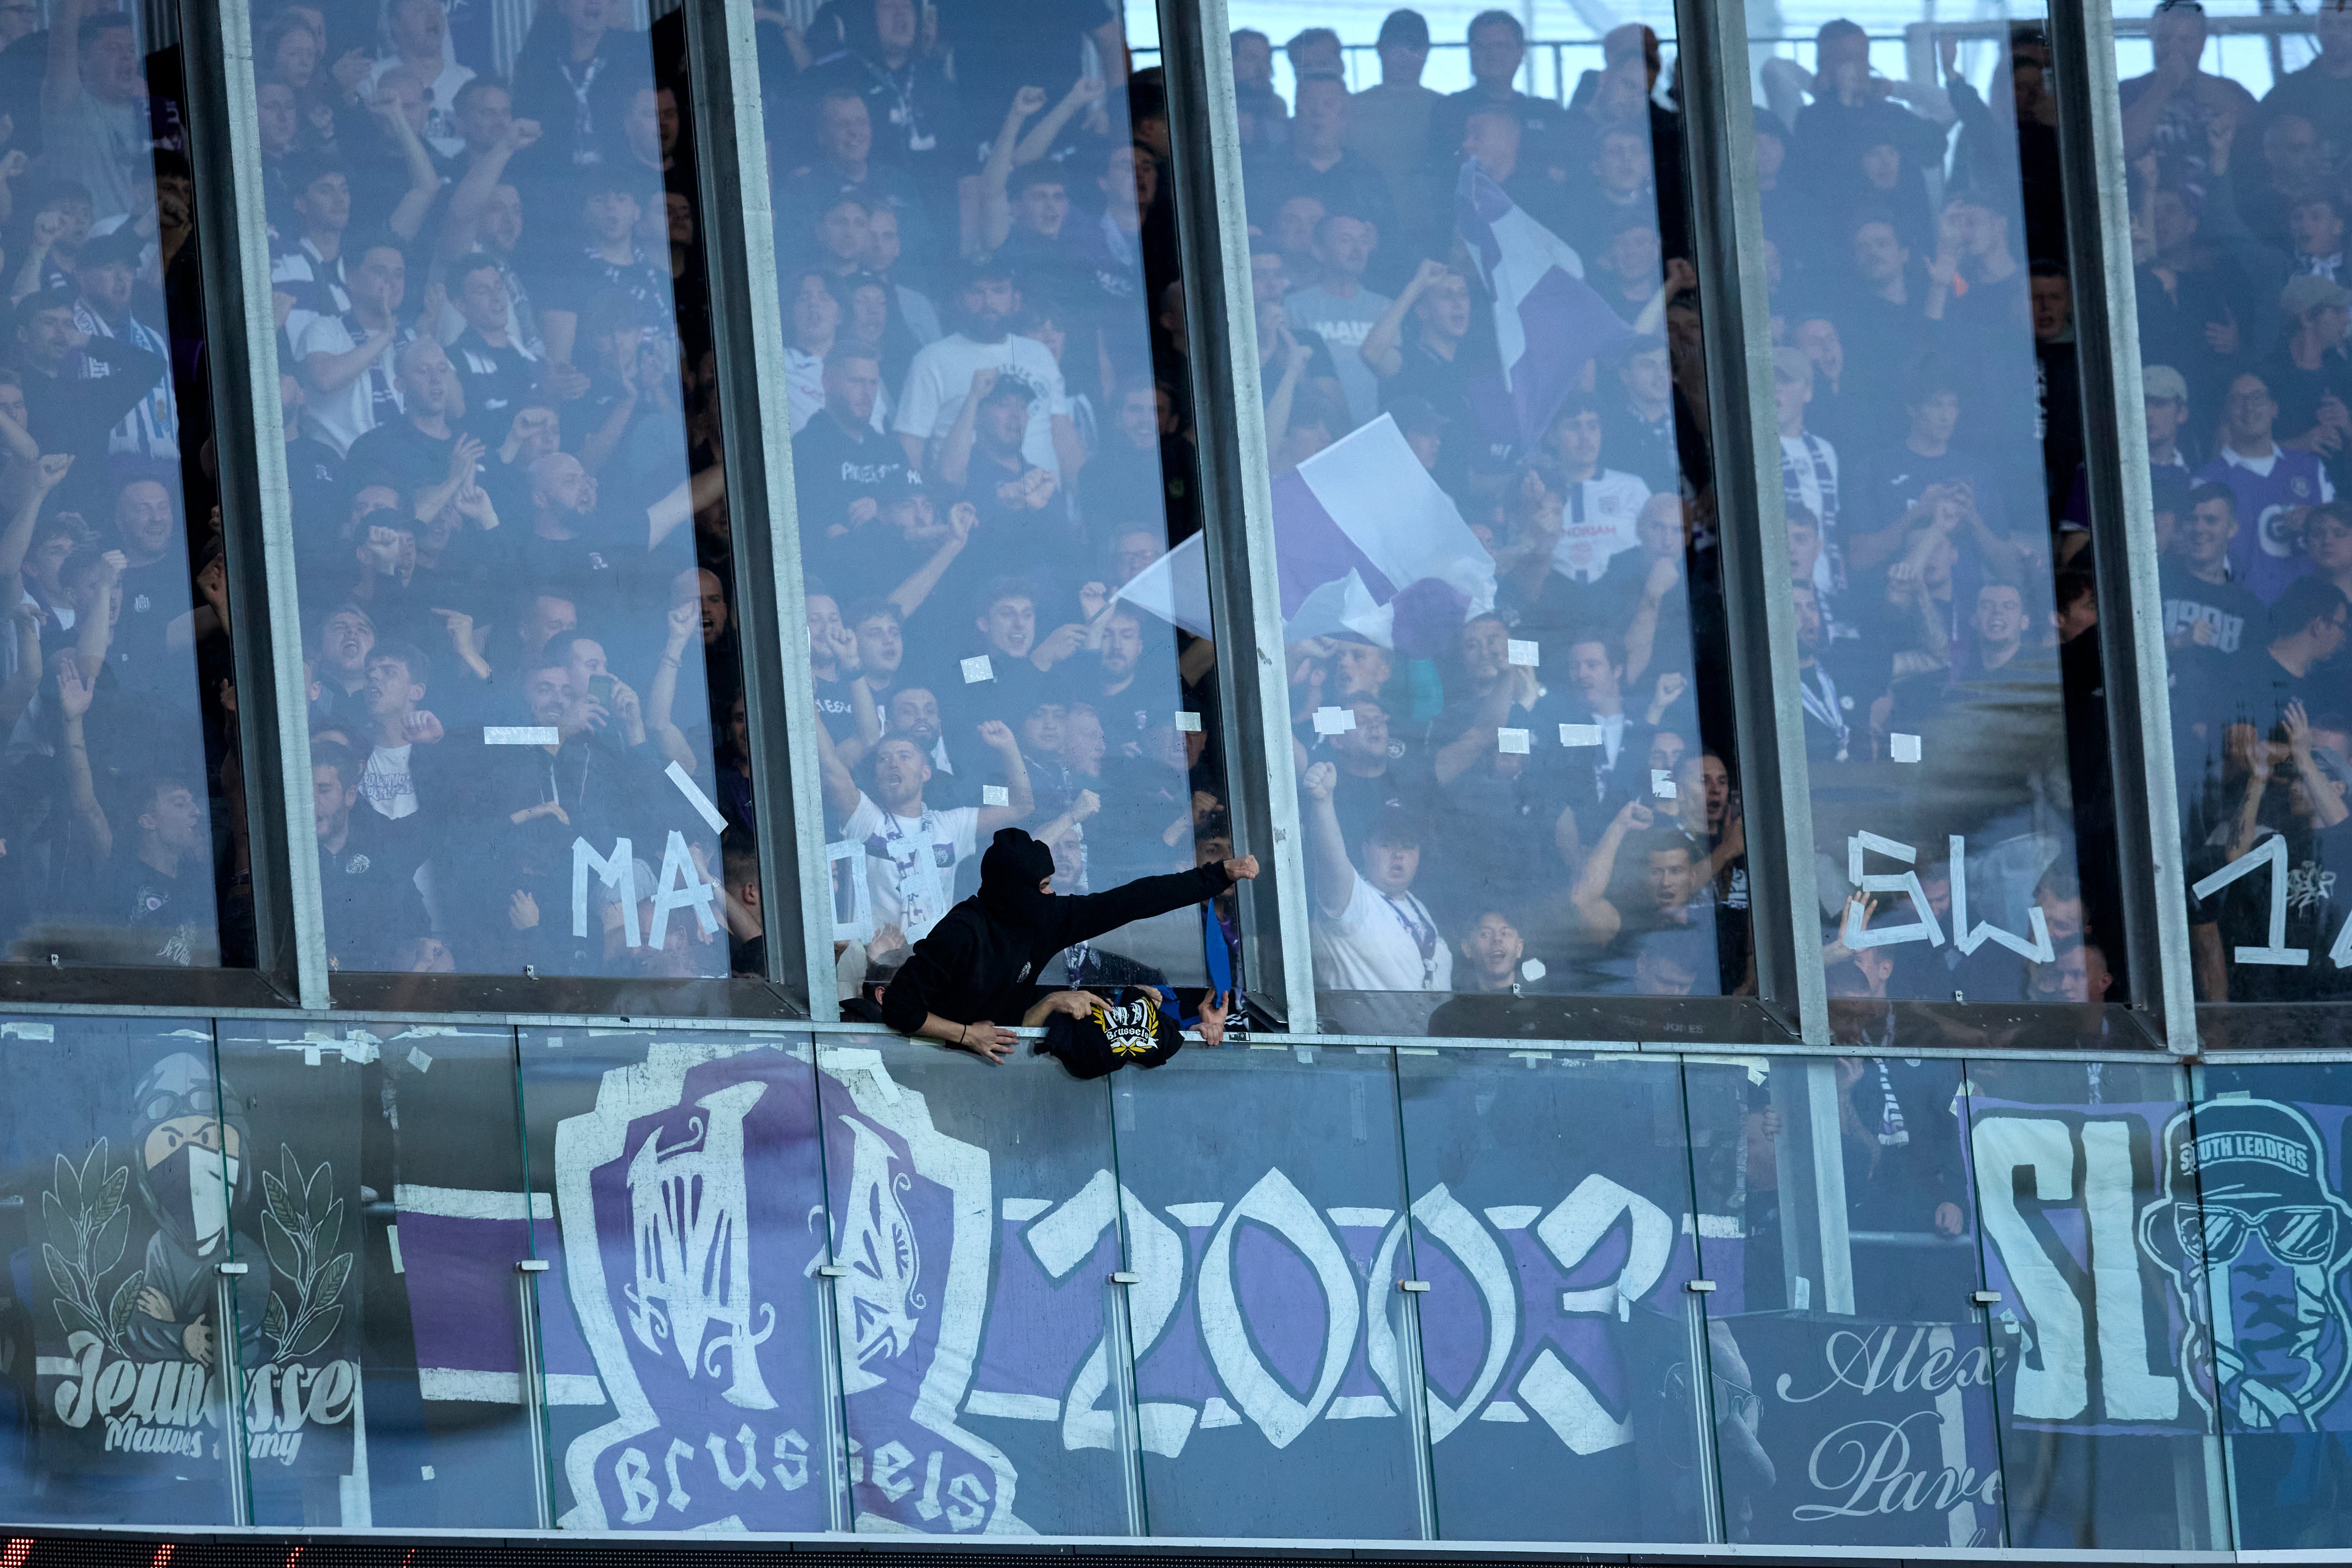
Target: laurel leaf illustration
[278,1240]
[106,1249]
[317,1332]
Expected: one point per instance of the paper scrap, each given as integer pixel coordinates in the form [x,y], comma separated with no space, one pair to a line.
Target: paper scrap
[1334,720]
[1521,652]
[418,1060]
[521,735]
[1189,723]
[1533,969]
[976,668]
[1581,735]
[1905,747]
[695,797]
[392,1239]
[1662,783]
[28,1031]
[995,795]
[1511,743]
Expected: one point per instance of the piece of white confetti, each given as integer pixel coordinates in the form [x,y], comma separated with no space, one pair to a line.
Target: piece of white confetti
[1662,783]
[1521,652]
[976,668]
[521,735]
[995,795]
[1906,747]
[1580,735]
[1334,720]
[1189,723]
[1511,743]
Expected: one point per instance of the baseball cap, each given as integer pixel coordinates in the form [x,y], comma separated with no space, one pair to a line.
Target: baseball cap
[2310,292]
[1407,27]
[2163,381]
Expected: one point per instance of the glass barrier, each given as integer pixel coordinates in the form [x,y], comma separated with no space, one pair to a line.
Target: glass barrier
[382,1320]
[1555,1334]
[986,359]
[1852,1371]
[2274,1235]
[876,1286]
[1272,1347]
[2086,1185]
[979,1214]
[129,1176]
[511,526]
[679,1196]
[1494,522]
[122,823]
[1931,444]
[2236,142]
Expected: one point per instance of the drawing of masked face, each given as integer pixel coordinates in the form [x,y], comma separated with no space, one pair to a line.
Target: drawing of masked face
[2257,1250]
[191,1148]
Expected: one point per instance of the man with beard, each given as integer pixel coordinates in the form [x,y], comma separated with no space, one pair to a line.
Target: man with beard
[193,1169]
[942,377]
[1620,921]
[912,849]
[839,460]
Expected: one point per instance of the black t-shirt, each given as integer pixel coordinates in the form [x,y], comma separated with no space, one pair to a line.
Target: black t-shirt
[400,455]
[2237,617]
[173,912]
[2300,391]
[368,892]
[832,467]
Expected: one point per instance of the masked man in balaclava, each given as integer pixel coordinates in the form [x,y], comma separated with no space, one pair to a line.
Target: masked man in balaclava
[193,1169]
[978,963]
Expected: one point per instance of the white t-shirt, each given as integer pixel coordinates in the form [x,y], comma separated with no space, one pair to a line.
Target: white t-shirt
[1376,945]
[910,861]
[440,102]
[940,378]
[386,783]
[1597,522]
[340,418]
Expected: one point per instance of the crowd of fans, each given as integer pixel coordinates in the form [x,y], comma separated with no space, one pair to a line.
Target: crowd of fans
[991,396]
[2238,220]
[1488,824]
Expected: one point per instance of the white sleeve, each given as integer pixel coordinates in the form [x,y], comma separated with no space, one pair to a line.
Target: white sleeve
[1048,377]
[863,822]
[963,821]
[324,335]
[1351,920]
[918,400]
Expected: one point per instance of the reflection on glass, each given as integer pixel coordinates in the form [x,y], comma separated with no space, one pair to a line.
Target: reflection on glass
[988,368]
[1272,1356]
[2267,1235]
[983,1288]
[127,1167]
[2084,1174]
[380,1317]
[2235,146]
[677,1196]
[1854,1375]
[1548,1200]
[1494,521]
[510,523]
[121,809]
[1930,426]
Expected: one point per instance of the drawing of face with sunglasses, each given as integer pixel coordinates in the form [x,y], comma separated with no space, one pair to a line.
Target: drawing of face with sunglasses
[2256,1244]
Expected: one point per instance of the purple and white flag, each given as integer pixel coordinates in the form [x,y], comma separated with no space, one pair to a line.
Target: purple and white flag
[1547,319]
[1363,535]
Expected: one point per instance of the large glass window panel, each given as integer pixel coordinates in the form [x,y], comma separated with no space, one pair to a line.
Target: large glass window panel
[987,361]
[124,1177]
[511,536]
[1931,447]
[1494,521]
[1853,1373]
[2105,1361]
[381,1317]
[2269,1222]
[1551,1207]
[690,1377]
[979,1213]
[1274,1390]
[2236,135]
[122,802]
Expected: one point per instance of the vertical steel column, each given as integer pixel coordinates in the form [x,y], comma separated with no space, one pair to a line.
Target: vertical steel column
[1727,223]
[256,506]
[771,617]
[2123,516]
[1229,421]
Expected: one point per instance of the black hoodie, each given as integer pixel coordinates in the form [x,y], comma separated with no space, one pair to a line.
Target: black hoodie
[981,958]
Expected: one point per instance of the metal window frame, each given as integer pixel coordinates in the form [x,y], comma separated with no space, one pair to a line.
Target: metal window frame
[780,713]
[257,503]
[1237,497]
[2122,520]
[1719,111]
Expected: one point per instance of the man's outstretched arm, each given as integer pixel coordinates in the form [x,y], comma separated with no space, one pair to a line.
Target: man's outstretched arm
[1095,913]
[921,984]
